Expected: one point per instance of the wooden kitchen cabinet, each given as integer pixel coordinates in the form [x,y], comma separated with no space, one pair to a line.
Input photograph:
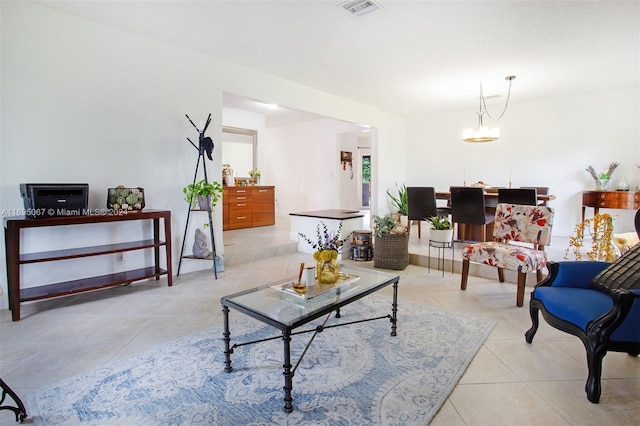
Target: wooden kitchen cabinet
[248,207]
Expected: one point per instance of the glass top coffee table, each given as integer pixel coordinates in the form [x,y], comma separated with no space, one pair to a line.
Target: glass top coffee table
[277,305]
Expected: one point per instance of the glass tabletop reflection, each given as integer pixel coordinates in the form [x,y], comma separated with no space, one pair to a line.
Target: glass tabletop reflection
[276,303]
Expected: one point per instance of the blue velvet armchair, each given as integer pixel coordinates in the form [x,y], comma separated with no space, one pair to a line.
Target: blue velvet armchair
[595,301]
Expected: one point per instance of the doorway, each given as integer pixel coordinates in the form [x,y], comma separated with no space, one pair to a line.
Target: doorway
[365,178]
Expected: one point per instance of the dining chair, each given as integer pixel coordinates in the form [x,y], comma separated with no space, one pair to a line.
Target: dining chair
[526,196]
[421,205]
[468,208]
[521,232]
[540,190]
[543,190]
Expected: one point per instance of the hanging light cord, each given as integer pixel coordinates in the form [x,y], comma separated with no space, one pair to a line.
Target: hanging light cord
[510,78]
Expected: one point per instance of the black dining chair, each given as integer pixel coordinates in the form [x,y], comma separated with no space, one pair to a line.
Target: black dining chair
[543,190]
[522,196]
[540,190]
[468,208]
[421,205]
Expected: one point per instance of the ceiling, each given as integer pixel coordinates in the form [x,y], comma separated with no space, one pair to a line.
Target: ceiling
[409,57]
[275,115]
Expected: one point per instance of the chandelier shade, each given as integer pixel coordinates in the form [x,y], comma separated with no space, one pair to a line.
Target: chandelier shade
[483,133]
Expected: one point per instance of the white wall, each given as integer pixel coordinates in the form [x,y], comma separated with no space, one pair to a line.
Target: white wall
[252,121]
[303,162]
[83,102]
[545,142]
[348,174]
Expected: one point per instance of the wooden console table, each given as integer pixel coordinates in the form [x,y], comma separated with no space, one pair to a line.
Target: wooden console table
[12,235]
[627,200]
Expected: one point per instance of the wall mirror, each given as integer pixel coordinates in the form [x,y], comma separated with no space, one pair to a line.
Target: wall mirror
[239,149]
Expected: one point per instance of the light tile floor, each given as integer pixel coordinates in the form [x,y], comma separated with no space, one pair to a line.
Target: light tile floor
[509,382]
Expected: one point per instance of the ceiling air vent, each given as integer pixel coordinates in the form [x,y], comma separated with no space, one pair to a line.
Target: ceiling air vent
[360,7]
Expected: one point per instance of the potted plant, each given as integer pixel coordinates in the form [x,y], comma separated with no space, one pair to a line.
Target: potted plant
[391,243]
[441,229]
[603,177]
[255,175]
[227,175]
[400,201]
[202,195]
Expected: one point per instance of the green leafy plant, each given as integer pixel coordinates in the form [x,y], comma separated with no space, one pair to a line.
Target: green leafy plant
[202,189]
[439,222]
[603,174]
[400,201]
[326,240]
[387,224]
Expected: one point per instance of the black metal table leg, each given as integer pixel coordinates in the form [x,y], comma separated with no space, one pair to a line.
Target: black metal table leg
[227,340]
[288,374]
[18,410]
[394,309]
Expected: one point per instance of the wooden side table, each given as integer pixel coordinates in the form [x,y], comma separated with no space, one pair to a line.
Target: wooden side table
[627,200]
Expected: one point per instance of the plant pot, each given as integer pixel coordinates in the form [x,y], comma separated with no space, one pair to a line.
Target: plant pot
[204,202]
[602,184]
[441,235]
[391,251]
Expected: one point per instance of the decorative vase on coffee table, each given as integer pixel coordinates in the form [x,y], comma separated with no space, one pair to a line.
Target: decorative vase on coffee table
[327,268]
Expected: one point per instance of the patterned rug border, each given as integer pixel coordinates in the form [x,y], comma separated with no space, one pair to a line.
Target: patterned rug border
[406,394]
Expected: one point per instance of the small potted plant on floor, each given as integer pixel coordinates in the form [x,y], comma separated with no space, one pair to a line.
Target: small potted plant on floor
[202,195]
[441,229]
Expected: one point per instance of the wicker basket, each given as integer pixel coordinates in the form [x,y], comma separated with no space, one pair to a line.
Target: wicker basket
[391,251]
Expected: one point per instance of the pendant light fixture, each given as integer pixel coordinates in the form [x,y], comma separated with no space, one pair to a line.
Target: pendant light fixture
[482,133]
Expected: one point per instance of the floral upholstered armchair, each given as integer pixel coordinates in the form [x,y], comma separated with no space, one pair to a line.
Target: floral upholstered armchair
[529,227]
[596,301]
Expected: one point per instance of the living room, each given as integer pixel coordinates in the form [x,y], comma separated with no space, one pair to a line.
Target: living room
[83,101]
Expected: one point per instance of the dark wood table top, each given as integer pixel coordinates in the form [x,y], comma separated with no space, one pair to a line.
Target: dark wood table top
[445,195]
[337,214]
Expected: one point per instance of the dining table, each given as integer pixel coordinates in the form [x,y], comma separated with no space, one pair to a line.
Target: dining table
[491,197]
[474,232]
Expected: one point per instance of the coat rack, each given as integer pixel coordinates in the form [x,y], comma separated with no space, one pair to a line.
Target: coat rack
[205,146]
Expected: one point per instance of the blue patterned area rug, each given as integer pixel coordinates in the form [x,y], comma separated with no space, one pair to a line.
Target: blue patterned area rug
[357,375]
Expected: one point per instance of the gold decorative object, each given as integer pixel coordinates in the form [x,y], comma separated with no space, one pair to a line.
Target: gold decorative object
[327,268]
[600,228]
[327,246]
